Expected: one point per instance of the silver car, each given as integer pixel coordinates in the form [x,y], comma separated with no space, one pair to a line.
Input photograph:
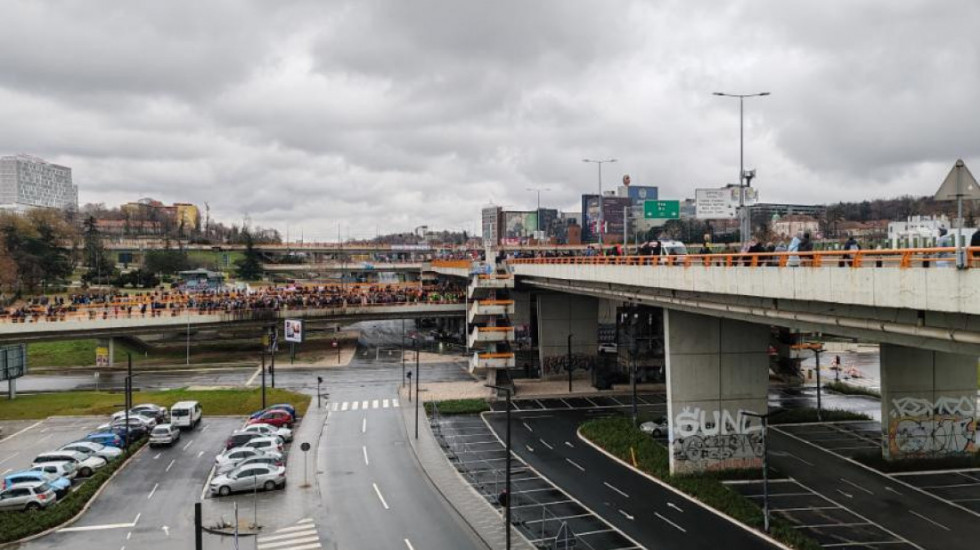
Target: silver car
[164,434]
[86,464]
[31,496]
[249,477]
[265,444]
[236,455]
[267,459]
[268,429]
[67,469]
[93,448]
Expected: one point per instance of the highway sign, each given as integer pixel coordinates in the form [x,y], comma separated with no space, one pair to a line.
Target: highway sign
[661,210]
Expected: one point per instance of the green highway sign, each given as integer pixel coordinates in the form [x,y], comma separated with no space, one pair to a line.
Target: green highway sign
[661,209]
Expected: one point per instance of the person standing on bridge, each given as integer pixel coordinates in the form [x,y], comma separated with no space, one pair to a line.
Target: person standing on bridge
[975,243]
[794,246]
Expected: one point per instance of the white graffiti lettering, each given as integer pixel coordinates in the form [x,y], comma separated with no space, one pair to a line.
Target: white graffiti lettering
[943,406]
[717,439]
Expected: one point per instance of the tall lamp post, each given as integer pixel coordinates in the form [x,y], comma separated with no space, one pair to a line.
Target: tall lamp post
[765,465]
[538,190]
[744,221]
[507,502]
[599,163]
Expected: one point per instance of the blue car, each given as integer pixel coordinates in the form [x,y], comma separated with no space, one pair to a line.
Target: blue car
[58,484]
[106,438]
[279,407]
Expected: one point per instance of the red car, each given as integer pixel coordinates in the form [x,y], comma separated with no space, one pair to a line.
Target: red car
[278,419]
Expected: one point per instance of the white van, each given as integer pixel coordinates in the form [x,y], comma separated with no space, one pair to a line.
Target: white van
[186,414]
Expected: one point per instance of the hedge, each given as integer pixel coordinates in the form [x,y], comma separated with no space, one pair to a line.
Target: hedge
[17,525]
[617,435]
[848,389]
[458,406]
[808,415]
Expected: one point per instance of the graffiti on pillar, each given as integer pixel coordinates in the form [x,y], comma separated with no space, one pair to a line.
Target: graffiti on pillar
[923,427]
[558,364]
[716,440]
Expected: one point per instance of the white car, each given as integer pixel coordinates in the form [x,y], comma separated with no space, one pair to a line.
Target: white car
[66,469]
[608,347]
[164,434]
[233,456]
[268,429]
[134,421]
[86,464]
[656,428]
[93,448]
[264,444]
[147,416]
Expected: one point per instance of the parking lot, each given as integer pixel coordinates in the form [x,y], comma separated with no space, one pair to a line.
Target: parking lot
[25,439]
[584,402]
[961,487]
[824,520]
[847,439]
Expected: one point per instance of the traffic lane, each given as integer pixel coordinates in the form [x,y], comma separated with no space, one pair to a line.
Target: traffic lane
[18,450]
[920,518]
[170,378]
[643,510]
[157,488]
[375,494]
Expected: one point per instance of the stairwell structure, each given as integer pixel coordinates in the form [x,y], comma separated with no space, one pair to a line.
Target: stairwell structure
[491,336]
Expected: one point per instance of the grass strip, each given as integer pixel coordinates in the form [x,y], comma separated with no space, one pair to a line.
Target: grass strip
[808,415]
[617,435]
[848,389]
[451,407]
[217,402]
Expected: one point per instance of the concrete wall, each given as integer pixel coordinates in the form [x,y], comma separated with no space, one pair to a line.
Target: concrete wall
[717,369]
[558,316]
[928,403]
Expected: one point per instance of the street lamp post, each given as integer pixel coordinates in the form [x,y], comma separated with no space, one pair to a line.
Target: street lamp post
[416,387]
[538,190]
[599,163]
[507,503]
[765,466]
[744,221]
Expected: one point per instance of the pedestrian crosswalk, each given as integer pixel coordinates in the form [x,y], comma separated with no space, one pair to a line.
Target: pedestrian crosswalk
[344,406]
[301,536]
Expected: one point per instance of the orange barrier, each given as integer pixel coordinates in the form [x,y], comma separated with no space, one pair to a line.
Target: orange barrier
[454,264]
[495,329]
[901,258]
[495,355]
[494,302]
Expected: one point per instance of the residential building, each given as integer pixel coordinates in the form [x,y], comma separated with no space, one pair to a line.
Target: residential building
[790,226]
[30,182]
[919,231]
[492,221]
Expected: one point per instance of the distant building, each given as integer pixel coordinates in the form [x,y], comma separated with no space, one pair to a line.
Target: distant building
[29,182]
[492,220]
[790,226]
[200,279]
[918,231]
[180,215]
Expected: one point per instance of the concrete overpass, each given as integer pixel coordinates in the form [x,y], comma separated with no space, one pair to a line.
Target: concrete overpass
[348,267]
[713,315]
[134,325]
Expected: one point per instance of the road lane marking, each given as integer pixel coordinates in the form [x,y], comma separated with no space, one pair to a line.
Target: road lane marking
[374,404]
[129,535]
[569,445]
[381,498]
[678,527]
[344,407]
[189,443]
[171,465]
[364,404]
[394,402]
[199,453]
[848,495]
[15,434]
[528,427]
[572,462]
[530,449]
[409,545]
[364,425]
[385,403]
[627,516]
[936,523]
[545,443]
[9,457]
[335,407]
[355,405]
[157,456]
[155,485]
[856,486]
[299,531]
[366,463]
[258,371]
[675,507]
[892,490]
[207,483]
[205,428]
[615,489]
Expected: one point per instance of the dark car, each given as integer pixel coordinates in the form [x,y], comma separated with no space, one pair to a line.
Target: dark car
[133,433]
[239,439]
[277,407]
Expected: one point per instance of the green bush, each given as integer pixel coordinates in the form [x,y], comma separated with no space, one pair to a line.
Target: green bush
[458,406]
[618,436]
[847,389]
[801,416]
[17,525]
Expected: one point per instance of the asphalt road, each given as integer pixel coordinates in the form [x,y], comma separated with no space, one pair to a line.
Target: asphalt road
[643,510]
[920,518]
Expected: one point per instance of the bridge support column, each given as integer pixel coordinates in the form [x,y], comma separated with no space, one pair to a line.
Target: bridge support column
[928,403]
[109,343]
[717,369]
[561,315]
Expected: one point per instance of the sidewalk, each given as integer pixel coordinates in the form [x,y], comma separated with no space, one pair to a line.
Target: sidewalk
[483,518]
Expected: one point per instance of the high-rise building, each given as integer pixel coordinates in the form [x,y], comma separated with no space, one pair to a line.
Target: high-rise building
[492,222]
[29,182]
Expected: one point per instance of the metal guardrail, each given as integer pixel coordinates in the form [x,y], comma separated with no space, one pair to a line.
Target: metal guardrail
[891,258]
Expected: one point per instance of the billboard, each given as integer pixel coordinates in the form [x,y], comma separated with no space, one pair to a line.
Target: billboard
[293,330]
[101,356]
[13,361]
[721,203]
[640,193]
[519,225]
[612,217]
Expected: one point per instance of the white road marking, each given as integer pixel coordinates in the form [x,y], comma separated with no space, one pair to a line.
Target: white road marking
[856,486]
[157,456]
[409,545]
[9,457]
[678,527]
[355,405]
[155,485]
[530,449]
[675,507]
[887,488]
[15,434]
[42,438]
[335,407]
[199,453]
[344,407]
[615,489]
[171,465]
[936,523]
[545,443]
[394,402]
[128,535]
[207,483]
[101,527]
[257,372]
[364,404]
[572,462]
[848,495]
[189,443]
[374,404]
[137,519]
[364,425]
[166,531]
[627,516]
[366,463]
[528,427]
[291,544]
[299,531]
[384,404]
[205,428]
[381,498]
[569,444]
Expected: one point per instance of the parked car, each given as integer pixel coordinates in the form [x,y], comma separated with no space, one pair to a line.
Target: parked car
[149,418]
[186,414]
[237,439]
[161,413]
[656,427]
[249,478]
[86,464]
[277,407]
[236,455]
[27,496]
[93,448]
[608,347]
[60,485]
[265,444]
[107,438]
[268,429]
[278,418]
[67,470]
[164,434]
[269,459]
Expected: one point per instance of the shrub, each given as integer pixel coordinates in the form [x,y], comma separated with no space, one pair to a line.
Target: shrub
[848,389]
[801,416]
[458,406]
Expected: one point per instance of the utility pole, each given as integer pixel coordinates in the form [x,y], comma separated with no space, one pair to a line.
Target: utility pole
[507,503]
[744,221]
[263,377]
[569,366]
[599,163]
[416,389]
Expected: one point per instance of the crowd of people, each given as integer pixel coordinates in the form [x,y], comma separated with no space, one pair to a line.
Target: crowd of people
[175,302]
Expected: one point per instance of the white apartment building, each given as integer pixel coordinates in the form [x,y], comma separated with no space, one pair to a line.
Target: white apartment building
[29,182]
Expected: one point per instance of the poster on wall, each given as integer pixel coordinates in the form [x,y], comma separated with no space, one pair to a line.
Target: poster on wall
[102,356]
[294,330]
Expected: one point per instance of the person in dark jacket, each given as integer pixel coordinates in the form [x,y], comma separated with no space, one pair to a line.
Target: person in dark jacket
[806,245]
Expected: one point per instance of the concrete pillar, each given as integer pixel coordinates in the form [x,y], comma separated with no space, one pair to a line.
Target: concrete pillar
[110,344]
[928,403]
[717,369]
[561,315]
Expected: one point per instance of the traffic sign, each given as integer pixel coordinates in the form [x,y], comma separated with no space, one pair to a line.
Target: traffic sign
[959,184]
[661,209]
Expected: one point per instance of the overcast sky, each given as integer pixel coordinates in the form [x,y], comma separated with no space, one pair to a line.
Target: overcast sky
[391,114]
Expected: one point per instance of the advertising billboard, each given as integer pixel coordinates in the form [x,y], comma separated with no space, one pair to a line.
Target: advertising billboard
[13,361]
[519,225]
[711,204]
[293,330]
